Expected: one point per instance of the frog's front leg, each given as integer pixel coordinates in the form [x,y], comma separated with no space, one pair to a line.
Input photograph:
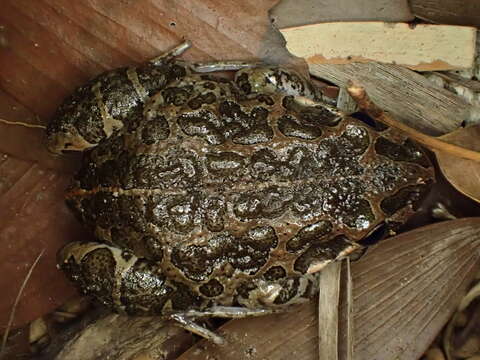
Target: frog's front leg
[187,319]
[136,286]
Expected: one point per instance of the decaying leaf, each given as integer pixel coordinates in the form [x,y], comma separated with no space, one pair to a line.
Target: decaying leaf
[404,291]
[463,174]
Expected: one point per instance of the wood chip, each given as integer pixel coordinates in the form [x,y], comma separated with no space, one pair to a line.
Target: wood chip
[422,47]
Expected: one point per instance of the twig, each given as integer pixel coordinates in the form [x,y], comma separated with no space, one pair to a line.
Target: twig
[17,300]
[19,123]
[358,93]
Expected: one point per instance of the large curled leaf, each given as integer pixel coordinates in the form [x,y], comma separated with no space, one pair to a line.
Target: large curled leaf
[463,174]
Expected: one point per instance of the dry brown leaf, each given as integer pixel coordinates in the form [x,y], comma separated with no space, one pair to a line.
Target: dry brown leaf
[404,291]
[434,354]
[33,217]
[463,174]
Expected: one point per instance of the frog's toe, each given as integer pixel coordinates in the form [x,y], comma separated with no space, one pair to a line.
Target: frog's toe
[186,322]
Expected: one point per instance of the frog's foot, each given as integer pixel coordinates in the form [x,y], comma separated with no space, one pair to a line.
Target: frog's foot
[170,54]
[190,325]
[306,101]
[313,111]
[206,67]
[187,319]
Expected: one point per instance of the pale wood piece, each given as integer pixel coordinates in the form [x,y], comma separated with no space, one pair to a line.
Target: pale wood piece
[408,96]
[422,47]
[457,12]
[288,13]
[328,300]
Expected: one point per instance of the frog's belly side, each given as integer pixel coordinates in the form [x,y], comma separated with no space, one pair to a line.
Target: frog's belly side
[218,220]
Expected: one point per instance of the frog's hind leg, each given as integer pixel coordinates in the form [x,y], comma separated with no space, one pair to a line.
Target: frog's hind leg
[228,65]
[187,319]
[230,312]
[203,67]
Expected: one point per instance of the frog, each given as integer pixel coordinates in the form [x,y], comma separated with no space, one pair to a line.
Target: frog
[226,198]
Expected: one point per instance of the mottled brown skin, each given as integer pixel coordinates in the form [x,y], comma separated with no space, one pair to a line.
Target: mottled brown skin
[273,79]
[204,192]
[82,120]
[234,196]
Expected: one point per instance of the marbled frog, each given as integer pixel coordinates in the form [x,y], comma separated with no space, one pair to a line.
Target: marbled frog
[211,197]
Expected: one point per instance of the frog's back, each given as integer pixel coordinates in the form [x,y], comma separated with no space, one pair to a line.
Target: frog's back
[233,193]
